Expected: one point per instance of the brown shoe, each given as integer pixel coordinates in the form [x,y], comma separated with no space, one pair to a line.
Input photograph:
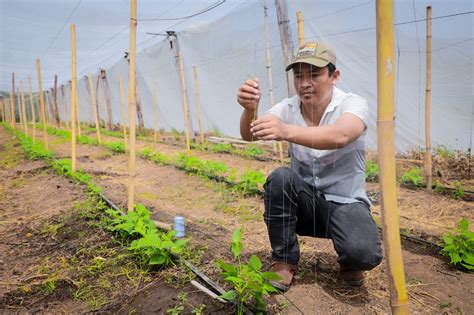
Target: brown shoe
[353,278]
[286,273]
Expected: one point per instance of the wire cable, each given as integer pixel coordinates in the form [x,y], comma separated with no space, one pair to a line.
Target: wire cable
[213,6]
[62,27]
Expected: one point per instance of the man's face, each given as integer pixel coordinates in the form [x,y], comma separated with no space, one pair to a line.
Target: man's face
[313,84]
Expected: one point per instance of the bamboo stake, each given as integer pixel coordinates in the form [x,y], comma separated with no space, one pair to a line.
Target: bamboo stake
[269,68]
[73,97]
[155,114]
[43,113]
[23,110]
[55,95]
[1,108]
[20,116]
[131,103]
[7,111]
[96,118]
[428,157]
[299,18]
[32,105]
[97,97]
[198,104]
[48,109]
[105,84]
[65,107]
[124,115]
[386,148]
[12,102]
[286,41]
[185,100]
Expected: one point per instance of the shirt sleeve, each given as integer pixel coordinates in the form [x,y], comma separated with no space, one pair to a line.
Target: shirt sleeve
[358,106]
[280,110]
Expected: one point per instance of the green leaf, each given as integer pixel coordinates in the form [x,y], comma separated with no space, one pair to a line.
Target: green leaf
[237,249]
[229,295]
[464,224]
[157,259]
[237,236]
[255,263]
[271,276]
[235,280]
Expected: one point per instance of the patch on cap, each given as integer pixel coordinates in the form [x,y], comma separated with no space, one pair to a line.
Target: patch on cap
[307,51]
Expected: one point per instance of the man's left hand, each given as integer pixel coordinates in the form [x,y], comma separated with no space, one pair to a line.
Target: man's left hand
[269,127]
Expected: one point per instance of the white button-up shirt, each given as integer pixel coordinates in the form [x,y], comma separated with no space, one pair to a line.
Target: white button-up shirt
[339,174]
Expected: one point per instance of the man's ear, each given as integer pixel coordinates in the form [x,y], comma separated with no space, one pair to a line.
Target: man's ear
[335,77]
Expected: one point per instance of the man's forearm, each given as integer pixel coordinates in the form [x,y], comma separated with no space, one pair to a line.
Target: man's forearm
[327,137]
[245,120]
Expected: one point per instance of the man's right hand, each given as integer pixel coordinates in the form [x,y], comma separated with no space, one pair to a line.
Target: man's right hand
[249,94]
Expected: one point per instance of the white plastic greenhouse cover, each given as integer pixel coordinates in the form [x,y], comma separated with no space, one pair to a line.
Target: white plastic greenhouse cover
[231,49]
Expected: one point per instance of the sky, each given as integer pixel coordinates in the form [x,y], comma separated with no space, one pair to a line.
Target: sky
[41,29]
[31,29]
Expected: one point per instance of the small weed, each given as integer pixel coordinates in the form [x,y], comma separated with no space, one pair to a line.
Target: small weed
[413,177]
[198,310]
[444,304]
[251,182]
[252,151]
[459,192]
[371,171]
[116,147]
[459,246]
[247,280]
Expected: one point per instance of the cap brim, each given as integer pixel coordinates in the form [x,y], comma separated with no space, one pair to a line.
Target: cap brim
[315,62]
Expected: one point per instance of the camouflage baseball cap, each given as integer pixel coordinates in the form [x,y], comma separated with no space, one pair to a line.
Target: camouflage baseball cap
[316,54]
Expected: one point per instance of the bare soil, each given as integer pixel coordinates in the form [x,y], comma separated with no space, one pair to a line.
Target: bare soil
[212,211]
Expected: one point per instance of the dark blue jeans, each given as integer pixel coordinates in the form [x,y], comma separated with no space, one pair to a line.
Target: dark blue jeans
[294,207]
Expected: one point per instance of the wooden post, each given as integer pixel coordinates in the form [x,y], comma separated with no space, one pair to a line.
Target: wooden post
[43,113]
[386,153]
[65,107]
[428,158]
[131,103]
[198,104]
[23,110]
[299,18]
[56,109]
[73,97]
[32,105]
[286,41]
[124,115]
[269,67]
[12,101]
[105,84]
[155,114]
[7,111]
[96,118]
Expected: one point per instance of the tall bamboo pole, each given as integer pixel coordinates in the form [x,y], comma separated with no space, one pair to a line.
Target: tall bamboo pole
[155,114]
[65,107]
[185,99]
[124,115]
[386,148]
[198,104]
[428,162]
[12,101]
[286,41]
[97,97]
[299,19]
[7,110]
[55,99]
[43,113]
[131,103]
[32,105]
[96,118]
[23,110]
[105,85]
[73,97]
[269,67]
